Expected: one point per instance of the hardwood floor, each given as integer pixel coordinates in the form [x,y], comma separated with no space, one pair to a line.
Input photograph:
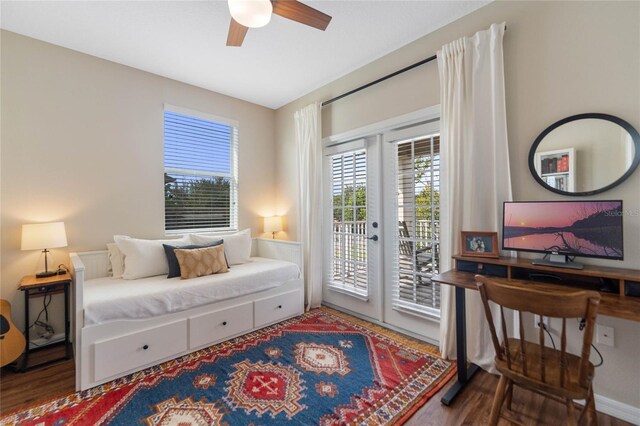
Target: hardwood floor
[40,384]
[471,407]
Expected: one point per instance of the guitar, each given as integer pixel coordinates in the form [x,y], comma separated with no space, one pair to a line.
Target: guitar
[12,341]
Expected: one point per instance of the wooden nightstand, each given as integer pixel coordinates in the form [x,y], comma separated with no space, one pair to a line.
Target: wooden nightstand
[41,287]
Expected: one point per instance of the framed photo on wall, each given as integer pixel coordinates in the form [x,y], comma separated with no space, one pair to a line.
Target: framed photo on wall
[479,244]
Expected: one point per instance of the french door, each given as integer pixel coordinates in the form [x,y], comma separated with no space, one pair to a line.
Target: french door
[382,227]
[412,217]
[352,230]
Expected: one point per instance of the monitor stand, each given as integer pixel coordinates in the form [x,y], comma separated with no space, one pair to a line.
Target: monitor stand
[558,261]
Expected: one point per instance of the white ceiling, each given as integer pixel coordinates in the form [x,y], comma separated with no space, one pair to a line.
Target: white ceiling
[185,40]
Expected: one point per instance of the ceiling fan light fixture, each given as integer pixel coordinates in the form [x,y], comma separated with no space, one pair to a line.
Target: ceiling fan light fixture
[251,13]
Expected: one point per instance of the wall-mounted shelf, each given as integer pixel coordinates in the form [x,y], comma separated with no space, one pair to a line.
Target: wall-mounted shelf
[557,168]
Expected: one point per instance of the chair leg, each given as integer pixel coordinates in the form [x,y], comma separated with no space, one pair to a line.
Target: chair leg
[589,409]
[592,415]
[497,401]
[571,414]
[509,394]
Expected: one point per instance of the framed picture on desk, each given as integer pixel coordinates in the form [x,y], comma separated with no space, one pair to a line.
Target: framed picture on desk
[479,244]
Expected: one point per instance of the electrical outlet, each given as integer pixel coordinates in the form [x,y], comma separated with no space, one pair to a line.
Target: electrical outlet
[604,335]
[536,322]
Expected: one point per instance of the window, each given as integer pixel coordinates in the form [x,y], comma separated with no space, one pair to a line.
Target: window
[200,172]
[418,232]
[349,228]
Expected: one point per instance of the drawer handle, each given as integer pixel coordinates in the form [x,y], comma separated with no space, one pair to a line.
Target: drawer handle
[224,323]
[279,306]
[145,347]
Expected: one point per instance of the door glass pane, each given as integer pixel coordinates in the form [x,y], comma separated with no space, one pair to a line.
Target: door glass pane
[349,201]
[418,232]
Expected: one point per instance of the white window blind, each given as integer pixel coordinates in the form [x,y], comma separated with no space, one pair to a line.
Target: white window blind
[418,230]
[200,173]
[349,226]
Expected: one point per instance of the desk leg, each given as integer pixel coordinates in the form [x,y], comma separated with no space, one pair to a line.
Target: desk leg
[464,374]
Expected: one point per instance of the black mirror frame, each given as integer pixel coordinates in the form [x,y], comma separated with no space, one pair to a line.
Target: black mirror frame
[628,127]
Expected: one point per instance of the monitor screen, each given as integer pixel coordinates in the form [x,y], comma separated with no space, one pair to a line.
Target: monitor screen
[573,228]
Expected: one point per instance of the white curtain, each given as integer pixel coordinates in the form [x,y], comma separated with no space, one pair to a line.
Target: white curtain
[309,141]
[475,177]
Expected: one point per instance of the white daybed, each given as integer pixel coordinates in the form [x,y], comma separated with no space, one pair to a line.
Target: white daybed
[122,326]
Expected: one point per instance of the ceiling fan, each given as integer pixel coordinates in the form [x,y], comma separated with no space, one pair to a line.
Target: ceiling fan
[247,14]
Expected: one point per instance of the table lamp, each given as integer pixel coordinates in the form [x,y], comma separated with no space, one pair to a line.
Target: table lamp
[43,236]
[273,224]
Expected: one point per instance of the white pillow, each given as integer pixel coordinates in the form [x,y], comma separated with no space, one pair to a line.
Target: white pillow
[116,260]
[237,247]
[145,258]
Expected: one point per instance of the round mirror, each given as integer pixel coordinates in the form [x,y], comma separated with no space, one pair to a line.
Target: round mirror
[585,154]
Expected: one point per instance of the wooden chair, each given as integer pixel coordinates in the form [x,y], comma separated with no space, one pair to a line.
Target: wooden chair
[553,373]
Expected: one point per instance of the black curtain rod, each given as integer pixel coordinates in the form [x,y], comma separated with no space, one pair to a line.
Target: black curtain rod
[386,77]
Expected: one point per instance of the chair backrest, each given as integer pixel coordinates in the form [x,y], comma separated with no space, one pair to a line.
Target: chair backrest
[582,304]
[406,247]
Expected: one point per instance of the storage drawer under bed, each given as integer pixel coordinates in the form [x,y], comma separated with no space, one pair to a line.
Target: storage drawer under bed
[215,326]
[272,309]
[134,350]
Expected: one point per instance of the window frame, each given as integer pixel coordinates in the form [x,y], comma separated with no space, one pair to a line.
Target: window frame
[233,167]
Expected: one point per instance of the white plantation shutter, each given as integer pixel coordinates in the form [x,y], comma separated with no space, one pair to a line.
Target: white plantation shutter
[416,251]
[200,172]
[349,222]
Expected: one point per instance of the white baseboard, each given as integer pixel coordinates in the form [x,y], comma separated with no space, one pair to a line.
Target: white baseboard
[616,409]
[40,342]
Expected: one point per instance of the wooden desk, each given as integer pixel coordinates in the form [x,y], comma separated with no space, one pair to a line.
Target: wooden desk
[34,287]
[615,304]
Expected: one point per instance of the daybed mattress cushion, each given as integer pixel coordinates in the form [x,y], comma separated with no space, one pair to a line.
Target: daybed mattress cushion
[108,299]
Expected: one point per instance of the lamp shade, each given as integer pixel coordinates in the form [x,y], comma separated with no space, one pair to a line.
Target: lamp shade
[251,13]
[273,224]
[36,236]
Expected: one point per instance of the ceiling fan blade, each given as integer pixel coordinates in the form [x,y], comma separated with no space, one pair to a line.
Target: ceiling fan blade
[236,33]
[300,12]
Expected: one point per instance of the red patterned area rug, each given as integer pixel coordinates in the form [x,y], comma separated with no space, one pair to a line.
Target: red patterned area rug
[321,368]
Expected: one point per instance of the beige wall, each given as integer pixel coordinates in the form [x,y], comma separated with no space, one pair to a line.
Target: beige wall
[561,58]
[82,142]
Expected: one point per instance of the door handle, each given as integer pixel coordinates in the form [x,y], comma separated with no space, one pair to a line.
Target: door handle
[374,238]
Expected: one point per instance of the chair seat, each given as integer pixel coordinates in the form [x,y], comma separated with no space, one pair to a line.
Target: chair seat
[551,383]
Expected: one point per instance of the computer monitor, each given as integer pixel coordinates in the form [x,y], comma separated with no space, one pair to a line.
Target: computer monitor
[564,229]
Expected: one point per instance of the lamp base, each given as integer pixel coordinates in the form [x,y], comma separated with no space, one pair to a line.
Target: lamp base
[46,274]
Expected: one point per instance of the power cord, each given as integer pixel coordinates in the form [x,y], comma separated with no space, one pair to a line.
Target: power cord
[48,330]
[600,355]
[544,327]
[582,323]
